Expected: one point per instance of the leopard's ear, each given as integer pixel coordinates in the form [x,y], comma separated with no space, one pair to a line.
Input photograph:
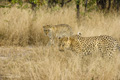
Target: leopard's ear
[79,33]
[59,37]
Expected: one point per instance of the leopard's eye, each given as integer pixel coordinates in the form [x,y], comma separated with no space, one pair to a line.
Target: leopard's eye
[45,30]
[63,44]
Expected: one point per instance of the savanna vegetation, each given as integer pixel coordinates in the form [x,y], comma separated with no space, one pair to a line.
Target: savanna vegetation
[23,51]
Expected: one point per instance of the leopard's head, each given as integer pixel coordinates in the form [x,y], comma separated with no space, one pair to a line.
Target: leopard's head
[64,43]
[47,29]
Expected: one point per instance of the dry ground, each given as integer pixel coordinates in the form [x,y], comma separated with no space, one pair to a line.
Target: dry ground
[24,56]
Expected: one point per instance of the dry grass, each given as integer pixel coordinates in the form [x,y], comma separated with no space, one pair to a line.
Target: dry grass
[38,62]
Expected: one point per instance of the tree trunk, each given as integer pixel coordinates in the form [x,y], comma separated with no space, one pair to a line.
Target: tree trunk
[62,3]
[86,5]
[118,3]
[49,3]
[109,5]
[78,11]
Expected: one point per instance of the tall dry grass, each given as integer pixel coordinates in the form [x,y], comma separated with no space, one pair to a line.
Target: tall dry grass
[21,27]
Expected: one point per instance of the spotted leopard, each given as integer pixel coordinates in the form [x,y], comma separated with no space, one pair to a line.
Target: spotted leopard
[56,31]
[103,44]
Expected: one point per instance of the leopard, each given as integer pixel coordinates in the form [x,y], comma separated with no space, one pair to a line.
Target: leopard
[53,32]
[103,44]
